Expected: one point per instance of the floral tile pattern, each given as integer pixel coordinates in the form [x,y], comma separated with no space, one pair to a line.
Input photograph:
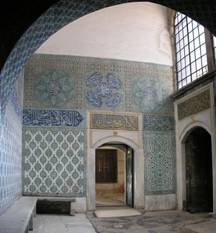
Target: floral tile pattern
[103,90]
[152,94]
[115,86]
[158,122]
[11,148]
[56,17]
[104,84]
[54,87]
[54,162]
[159,150]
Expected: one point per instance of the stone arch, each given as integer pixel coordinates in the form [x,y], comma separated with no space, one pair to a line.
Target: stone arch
[56,17]
[186,131]
[197,137]
[138,169]
[119,139]
[181,160]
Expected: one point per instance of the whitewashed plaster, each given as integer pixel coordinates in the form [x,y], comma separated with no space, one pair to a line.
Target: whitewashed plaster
[132,31]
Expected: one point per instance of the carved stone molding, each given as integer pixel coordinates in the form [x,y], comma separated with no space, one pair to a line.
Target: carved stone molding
[110,121]
[194,105]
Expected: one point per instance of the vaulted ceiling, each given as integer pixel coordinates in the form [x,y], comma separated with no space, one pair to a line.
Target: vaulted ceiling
[17,16]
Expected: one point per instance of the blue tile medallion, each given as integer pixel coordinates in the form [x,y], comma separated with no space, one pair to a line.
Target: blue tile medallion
[54,87]
[103,90]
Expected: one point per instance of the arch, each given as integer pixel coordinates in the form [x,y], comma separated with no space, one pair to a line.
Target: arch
[188,128]
[138,169]
[56,17]
[119,139]
[113,147]
[198,171]
[181,160]
[120,171]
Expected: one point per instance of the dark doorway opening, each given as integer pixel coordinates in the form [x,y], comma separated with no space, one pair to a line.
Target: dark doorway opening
[198,157]
[114,175]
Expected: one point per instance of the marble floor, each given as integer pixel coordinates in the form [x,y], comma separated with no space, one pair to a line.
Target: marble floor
[156,222]
[147,222]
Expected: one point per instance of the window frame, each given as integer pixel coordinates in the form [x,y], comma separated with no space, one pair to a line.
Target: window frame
[187,55]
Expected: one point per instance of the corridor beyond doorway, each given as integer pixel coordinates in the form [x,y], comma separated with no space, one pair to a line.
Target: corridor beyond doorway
[114,175]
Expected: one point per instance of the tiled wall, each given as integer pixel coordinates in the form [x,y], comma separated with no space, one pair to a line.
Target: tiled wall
[54,149]
[55,85]
[63,12]
[56,17]
[11,147]
[66,82]
[159,149]
[54,161]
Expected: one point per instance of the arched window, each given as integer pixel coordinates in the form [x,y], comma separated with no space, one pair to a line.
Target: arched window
[195,50]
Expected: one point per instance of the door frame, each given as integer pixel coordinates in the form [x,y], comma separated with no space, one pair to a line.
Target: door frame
[183,151]
[138,179]
[205,119]
[181,164]
[126,174]
[123,148]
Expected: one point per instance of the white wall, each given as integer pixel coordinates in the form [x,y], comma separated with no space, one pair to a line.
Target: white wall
[133,31]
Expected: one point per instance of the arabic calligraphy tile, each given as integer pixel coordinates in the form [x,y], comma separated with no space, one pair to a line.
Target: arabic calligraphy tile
[37,117]
[103,90]
[114,121]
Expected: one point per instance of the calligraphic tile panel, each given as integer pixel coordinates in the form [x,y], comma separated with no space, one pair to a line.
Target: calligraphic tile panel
[194,105]
[114,121]
[47,117]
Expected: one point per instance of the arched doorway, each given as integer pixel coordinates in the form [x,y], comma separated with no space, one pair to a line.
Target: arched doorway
[97,140]
[198,171]
[114,173]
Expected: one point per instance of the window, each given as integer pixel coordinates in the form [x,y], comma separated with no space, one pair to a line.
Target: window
[191,51]
[106,166]
[214,45]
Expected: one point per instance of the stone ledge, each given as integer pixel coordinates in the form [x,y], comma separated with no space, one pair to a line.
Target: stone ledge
[19,217]
[57,198]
